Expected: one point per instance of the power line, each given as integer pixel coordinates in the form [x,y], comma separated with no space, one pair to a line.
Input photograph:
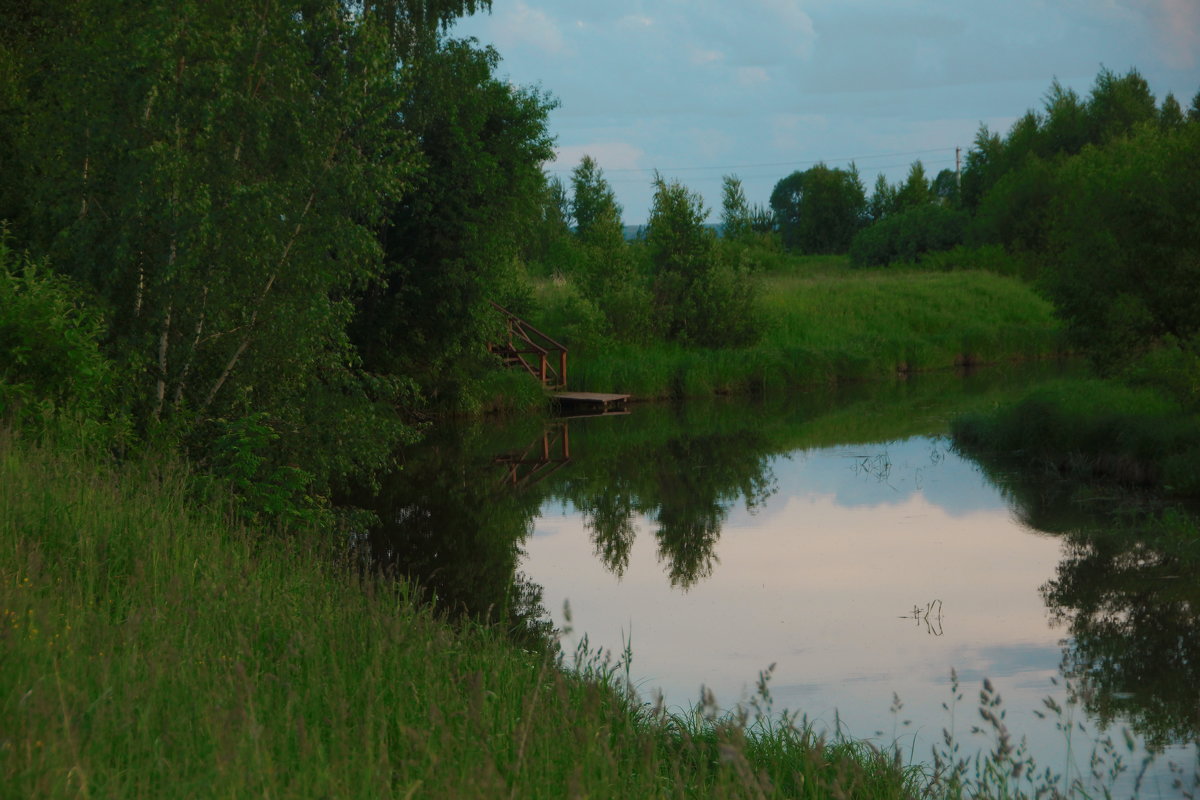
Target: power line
[769,164]
[872,168]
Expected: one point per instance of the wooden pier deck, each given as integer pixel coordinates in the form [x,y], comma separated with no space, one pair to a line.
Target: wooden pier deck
[589,403]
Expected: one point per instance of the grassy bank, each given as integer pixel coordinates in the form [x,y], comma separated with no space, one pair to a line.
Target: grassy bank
[823,322]
[151,649]
[1094,430]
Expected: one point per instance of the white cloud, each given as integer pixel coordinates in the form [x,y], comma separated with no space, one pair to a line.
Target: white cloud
[609,155]
[752,76]
[523,25]
[699,56]
[790,15]
[1178,24]
[635,22]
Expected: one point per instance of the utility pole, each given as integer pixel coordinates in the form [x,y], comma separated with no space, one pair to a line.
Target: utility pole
[958,167]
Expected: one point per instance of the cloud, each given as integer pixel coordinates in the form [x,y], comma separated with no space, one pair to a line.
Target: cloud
[752,76]
[789,14]
[1177,24]
[635,22]
[609,155]
[527,26]
[699,57]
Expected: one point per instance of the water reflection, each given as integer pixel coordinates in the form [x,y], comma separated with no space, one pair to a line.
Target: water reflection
[1127,589]
[456,525]
[685,484]
[834,533]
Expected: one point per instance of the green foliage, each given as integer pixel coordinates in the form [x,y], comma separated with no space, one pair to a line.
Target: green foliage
[703,300]
[993,258]
[883,199]
[215,175]
[944,189]
[1095,430]
[735,211]
[592,199]
[1170,114]
[908,235]
[239,456]
[1115,107]
[1119,104]
[451,245]
[916,191]
[50,356]
[1016,211]
[612,298]
[273,669]
[819,210]
[1126,262]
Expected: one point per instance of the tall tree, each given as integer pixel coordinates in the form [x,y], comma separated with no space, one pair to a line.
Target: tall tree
[1126,266]
[735,211]
[819,210]
[221,201]
[592,198]
[1065,128]
[1118,104]
[702,300]
[217,173]
[1170,114]
[451,243]
[945,188]
[883,199]
[915,191]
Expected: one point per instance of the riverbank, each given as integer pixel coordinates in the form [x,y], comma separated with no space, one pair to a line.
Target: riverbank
[823,322]
[1093,431]
[152,647]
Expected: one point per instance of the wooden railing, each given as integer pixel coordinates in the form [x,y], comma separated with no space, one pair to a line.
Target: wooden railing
[541,459]
[527,347]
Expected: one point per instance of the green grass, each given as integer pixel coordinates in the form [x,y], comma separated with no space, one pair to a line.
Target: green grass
[149,648]
[1094,430]
[824,323]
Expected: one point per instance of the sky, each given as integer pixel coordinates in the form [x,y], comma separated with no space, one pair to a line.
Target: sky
[698,89]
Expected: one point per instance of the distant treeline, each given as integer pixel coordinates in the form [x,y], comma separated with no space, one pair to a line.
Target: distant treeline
[1092,198]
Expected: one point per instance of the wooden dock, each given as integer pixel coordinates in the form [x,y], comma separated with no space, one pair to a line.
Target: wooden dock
[590,403]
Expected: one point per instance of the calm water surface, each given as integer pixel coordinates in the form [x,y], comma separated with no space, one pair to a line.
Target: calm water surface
[837,536]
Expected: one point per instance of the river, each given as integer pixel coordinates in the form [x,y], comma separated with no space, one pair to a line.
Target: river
[837,541]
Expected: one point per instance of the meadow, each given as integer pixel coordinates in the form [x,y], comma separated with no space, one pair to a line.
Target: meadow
[822,322]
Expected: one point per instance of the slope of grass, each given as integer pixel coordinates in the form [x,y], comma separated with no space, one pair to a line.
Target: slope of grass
[148,648]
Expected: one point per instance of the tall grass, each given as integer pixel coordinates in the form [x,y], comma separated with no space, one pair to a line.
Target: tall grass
[824,325]
[149,648]
[1094,429]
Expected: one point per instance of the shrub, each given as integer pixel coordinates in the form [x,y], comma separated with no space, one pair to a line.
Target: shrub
[50,357]
[908,235]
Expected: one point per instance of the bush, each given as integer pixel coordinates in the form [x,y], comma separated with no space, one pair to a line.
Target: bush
[908,235]
[704,299]
[991,258]
[1125,258]
[50,359]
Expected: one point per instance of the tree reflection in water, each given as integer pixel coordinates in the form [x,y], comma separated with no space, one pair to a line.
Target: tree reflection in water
[456,529]
[682,476]
[1131,600]
[1128,590]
